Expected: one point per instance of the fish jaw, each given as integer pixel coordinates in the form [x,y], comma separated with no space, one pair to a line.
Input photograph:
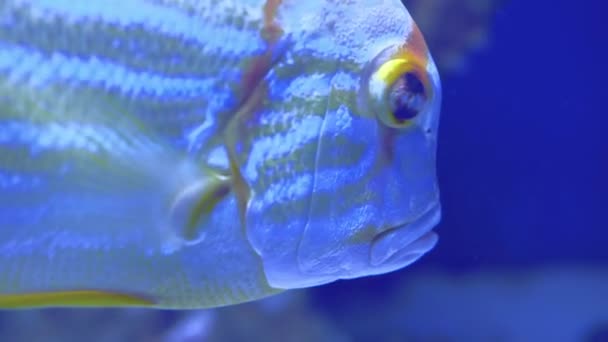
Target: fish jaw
[404,244]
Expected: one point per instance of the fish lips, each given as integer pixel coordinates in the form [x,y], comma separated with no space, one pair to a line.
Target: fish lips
[404,244]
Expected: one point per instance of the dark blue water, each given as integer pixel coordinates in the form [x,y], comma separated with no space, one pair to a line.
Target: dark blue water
[523,155]
[523,161]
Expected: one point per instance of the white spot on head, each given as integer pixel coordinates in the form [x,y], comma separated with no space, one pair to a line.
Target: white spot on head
[357,29]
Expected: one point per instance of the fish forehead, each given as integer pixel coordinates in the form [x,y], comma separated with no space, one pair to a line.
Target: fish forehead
[347,29]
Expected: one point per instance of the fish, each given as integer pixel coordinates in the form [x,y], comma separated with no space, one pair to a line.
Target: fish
[187,154]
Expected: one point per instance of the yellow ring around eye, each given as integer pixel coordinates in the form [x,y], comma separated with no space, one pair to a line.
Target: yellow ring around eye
[392,69]
[381,84]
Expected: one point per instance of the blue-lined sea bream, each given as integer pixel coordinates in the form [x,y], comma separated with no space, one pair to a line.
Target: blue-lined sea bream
[198,153]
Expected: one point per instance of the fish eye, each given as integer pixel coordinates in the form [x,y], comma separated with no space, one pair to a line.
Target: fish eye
[399,91]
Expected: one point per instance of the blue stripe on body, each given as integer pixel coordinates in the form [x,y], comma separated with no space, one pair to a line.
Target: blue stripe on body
[280,144]
[39,71]
[70,135]
[161,19]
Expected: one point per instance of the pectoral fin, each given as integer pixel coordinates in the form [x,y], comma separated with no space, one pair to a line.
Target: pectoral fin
[192,206]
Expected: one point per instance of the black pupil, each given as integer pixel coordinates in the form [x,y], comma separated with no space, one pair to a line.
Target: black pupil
[407,97]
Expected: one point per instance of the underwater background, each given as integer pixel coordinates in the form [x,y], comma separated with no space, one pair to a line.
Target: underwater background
[523,166]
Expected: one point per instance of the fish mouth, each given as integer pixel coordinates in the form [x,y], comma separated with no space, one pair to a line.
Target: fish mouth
[404,244]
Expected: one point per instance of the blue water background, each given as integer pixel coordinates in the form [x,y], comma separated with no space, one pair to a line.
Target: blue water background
[524,154]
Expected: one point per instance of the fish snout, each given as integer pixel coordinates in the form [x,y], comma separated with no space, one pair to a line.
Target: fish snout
[400,246]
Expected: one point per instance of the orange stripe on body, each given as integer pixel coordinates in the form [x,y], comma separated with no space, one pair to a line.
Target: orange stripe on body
[255,92]
[271,31]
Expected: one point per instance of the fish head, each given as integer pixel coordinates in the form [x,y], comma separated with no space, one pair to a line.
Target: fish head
[357,193]
[375,197]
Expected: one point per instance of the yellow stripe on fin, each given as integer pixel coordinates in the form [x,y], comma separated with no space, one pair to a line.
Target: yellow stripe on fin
[195,203]
[79,298]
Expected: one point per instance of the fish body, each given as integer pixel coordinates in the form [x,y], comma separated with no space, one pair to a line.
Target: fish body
[189,154]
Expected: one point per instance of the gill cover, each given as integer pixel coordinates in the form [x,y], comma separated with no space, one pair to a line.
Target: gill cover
[337,180]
